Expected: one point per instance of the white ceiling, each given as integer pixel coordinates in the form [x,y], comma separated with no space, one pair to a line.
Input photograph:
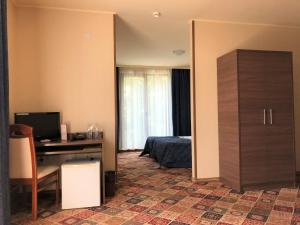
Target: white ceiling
[145,40]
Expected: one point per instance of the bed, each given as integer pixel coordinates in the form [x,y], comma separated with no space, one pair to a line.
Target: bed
[171,152]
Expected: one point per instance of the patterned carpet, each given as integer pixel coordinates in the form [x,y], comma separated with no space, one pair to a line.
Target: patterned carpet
[148,195]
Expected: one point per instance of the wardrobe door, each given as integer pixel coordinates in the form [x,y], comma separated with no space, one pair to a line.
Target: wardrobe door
[280,135]
[252,102]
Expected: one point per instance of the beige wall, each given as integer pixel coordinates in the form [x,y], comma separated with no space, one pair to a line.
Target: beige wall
[11,26]
[65,61]
[213,39]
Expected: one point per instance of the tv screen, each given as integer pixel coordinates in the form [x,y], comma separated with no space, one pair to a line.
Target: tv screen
[46,125]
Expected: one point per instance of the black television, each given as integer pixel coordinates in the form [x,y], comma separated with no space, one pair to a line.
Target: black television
[46,125]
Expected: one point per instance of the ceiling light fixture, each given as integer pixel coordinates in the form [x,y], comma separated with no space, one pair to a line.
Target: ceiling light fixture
[178,52]
[156,14]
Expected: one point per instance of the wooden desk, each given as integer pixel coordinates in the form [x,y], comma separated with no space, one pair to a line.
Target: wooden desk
[69,147]
[88,146]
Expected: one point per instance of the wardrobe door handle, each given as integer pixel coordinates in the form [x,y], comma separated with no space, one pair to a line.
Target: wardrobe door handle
[271,116]
[264,116]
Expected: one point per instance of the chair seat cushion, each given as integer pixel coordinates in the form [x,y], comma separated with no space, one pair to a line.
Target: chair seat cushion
[43,171]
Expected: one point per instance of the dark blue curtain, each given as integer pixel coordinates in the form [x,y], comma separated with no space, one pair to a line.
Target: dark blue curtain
[181,104]
[4,176]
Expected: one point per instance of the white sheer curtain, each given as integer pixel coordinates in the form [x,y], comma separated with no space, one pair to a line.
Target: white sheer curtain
[145,106]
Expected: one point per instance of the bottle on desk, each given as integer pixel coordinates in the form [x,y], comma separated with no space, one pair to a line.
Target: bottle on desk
[93,132]
[96,133]
[89,133]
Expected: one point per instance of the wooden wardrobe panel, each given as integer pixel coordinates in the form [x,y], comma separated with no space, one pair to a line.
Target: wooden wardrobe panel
[252,103]
[228,120]
[280,134]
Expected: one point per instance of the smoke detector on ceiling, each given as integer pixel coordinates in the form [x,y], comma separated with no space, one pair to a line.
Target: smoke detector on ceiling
[156,14]
[178,52]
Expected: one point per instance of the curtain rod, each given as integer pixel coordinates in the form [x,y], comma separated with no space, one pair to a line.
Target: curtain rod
[154,67]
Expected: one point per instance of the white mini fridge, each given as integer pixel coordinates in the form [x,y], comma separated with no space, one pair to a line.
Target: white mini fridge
[81,184]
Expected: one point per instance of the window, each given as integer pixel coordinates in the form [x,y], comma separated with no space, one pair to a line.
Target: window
[145,106]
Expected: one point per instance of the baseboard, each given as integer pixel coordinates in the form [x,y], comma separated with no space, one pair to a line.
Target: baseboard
[209,179]
[130,150]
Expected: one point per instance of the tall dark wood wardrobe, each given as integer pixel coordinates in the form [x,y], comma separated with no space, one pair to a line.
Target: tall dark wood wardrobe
[256,119]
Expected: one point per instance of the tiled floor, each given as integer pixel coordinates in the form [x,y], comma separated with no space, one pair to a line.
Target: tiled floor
[148,195]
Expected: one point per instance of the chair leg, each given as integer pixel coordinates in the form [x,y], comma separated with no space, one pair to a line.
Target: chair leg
[57,188]
[34,200]
[24,195]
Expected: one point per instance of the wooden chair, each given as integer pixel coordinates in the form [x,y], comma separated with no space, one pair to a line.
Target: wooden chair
[23,165]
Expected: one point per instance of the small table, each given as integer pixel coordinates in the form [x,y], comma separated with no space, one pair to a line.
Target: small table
[88,146]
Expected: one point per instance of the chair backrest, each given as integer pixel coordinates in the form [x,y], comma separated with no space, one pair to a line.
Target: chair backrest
[22,159]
